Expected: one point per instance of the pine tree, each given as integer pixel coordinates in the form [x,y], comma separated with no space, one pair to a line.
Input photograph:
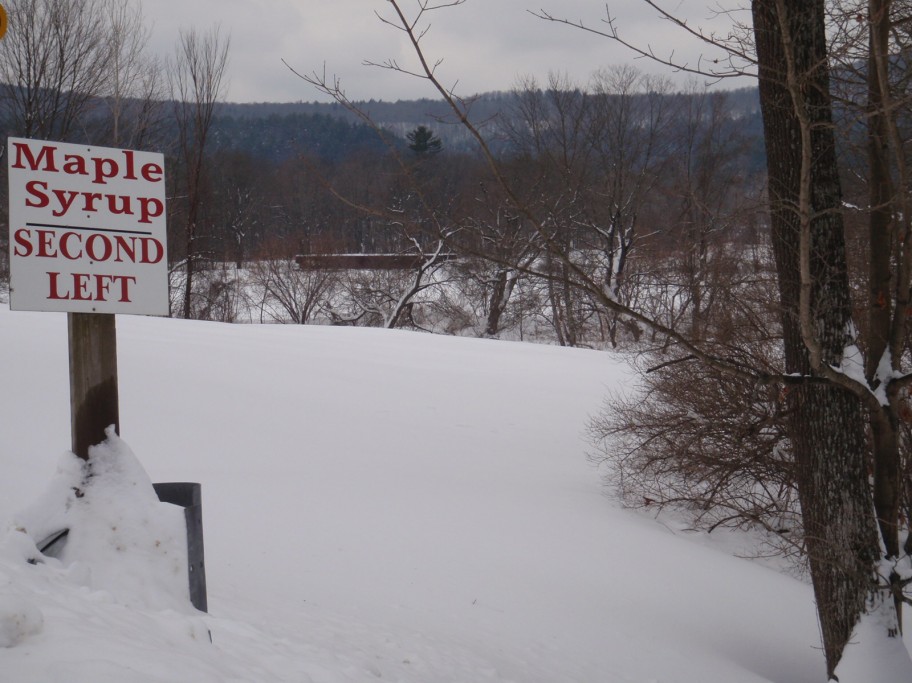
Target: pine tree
[423,141]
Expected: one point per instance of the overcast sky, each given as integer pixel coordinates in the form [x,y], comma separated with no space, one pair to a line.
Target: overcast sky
[485,44]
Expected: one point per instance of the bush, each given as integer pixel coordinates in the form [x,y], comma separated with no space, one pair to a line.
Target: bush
[709,444]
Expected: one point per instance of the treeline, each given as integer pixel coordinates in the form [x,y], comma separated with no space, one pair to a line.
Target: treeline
[315,181]
[330,130]
[649,186]
[276,138]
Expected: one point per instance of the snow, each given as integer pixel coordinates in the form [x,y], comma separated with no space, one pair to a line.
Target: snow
[871,657]
[120,536]
[377,505]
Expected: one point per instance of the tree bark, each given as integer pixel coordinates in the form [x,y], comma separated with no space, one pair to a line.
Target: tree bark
[826,422]
[497,303]
[882,320]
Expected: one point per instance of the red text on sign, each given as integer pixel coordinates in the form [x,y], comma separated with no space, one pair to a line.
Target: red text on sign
[89,287]
[62,201]
[100,169]
[97,246]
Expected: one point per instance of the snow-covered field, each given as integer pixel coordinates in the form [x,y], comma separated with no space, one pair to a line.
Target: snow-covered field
[378,505]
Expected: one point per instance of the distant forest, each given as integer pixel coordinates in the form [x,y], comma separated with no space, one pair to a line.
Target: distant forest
[329,131]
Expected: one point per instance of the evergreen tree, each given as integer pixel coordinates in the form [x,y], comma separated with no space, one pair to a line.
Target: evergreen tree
[423,141]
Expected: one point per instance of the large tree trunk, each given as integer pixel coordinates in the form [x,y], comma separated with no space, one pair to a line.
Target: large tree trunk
[504,281]
[881,312]
[827,423]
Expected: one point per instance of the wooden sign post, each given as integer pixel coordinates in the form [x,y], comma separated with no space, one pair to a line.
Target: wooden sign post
[87,236]
[93,379]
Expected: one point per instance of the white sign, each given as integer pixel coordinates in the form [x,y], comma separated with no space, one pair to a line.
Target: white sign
[87,229]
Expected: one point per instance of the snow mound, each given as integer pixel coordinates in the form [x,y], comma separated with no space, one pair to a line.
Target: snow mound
[121,539]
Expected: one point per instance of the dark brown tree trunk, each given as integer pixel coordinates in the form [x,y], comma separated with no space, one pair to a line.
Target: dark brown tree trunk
[190,239]
[497,303]
[880,193]
[571,333]
[827,423]
[557,313]
[881,313]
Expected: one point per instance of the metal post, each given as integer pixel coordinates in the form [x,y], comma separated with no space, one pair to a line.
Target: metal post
[189,496]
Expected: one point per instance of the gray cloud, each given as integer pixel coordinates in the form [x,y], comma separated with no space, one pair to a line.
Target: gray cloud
[485,44]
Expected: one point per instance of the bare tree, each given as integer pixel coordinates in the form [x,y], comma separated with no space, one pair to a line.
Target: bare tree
[52,64]
[502,248]
[710,186]
[709,446]
[134,84]
[826,428]
[285,292]
[237,181]
[197,84]
[591,157]
[390,297]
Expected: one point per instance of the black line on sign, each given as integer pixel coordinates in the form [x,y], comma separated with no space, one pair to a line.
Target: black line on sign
[77,227]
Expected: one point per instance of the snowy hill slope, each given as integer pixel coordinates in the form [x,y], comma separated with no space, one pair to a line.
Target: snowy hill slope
[377,506]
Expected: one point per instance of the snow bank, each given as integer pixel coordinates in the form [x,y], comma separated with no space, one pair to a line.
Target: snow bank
[120,538]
